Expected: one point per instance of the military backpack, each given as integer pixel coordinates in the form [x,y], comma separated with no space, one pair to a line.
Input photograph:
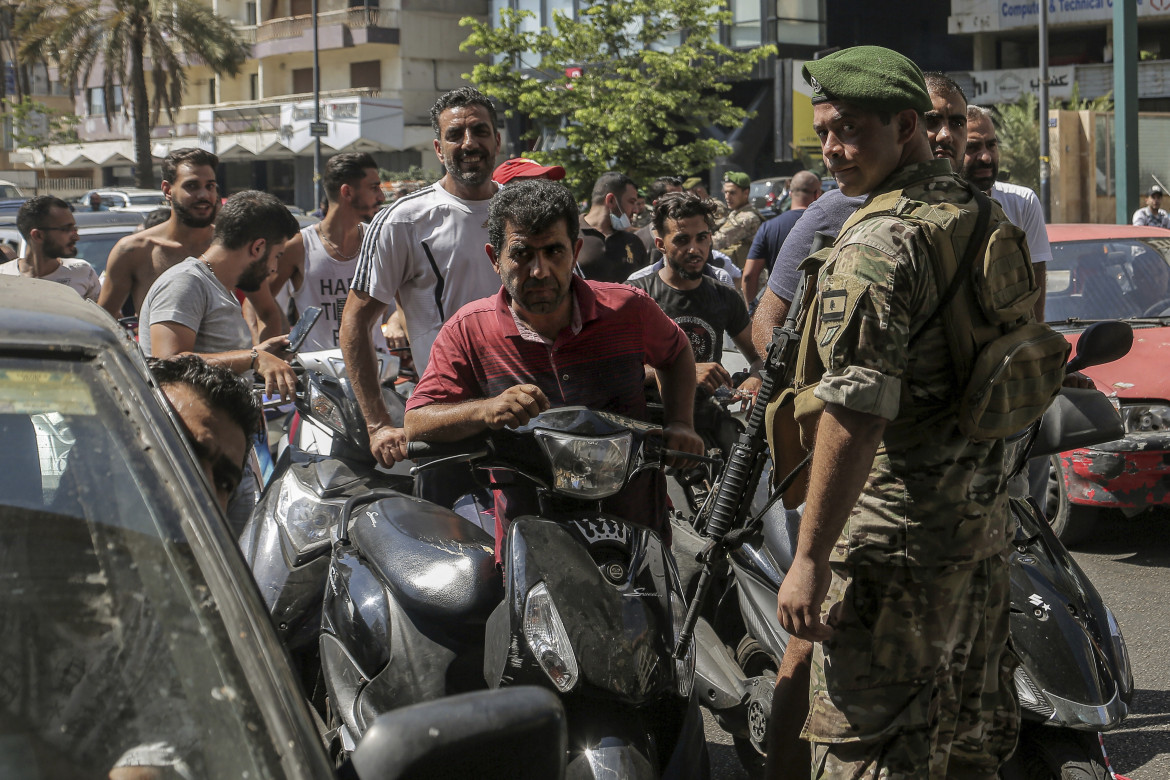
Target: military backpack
[1008,366]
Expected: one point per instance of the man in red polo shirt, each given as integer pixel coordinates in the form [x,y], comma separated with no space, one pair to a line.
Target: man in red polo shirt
[549,338]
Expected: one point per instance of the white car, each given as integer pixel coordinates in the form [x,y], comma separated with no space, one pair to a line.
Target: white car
[125,199]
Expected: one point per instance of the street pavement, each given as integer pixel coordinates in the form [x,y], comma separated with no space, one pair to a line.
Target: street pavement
[1128,561]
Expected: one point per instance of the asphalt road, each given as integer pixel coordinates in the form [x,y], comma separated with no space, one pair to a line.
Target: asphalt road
[1129,562]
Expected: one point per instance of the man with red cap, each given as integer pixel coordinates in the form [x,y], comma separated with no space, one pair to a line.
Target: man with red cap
[523,168]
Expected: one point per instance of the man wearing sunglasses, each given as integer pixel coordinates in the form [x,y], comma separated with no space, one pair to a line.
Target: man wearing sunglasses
[48,227]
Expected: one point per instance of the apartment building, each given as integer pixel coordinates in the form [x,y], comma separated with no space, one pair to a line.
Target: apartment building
[382,65]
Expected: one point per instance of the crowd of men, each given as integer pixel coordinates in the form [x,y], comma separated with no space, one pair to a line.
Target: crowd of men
[512,302]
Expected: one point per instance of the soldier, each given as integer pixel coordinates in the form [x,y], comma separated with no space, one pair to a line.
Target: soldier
[906,525]
[735,235]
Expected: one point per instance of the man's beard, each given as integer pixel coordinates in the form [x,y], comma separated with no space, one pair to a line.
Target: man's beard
[684,273]
[545,306]
[59,251]
[188,218]
[470,178]
[982,176]
[253,276]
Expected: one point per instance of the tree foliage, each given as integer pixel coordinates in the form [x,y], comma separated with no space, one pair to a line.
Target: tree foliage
[123,38]
[638,106]
[36,126]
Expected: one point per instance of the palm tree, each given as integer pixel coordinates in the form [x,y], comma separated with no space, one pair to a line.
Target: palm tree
[123,38]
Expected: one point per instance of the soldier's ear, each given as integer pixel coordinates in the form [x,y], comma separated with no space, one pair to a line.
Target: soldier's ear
[908,125]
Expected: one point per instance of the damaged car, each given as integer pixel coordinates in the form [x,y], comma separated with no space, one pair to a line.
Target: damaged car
[1106,272]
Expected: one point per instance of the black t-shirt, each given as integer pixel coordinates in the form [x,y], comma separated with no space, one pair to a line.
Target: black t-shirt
[610,259]
[704,313]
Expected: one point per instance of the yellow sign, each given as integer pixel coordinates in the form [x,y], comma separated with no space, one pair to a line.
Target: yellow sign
[803,136]
[39,392]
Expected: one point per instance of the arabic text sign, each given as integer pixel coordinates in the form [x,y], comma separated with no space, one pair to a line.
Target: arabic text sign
[1008,86]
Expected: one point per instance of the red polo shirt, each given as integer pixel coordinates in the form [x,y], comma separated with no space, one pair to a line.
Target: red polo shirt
[598,362]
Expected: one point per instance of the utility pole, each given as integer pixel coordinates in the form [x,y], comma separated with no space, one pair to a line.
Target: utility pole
[1045,156]
[1125,118]
[316,129]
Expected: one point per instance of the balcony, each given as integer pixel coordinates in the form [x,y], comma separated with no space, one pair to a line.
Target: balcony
[336,29]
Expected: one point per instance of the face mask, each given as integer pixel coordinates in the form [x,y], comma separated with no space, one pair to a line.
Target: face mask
[619,222]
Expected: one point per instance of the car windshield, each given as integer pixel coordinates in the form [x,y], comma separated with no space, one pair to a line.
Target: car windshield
[1108,279]
[95,248]
[113,650]
[9,191]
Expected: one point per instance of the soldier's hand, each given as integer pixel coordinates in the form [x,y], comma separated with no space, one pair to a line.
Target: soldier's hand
[798,605]
[514,407]
[711,376]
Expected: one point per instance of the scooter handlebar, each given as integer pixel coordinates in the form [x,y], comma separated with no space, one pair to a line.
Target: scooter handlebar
[442,449]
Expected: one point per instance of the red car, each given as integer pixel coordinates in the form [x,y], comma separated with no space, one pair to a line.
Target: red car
[1114,272]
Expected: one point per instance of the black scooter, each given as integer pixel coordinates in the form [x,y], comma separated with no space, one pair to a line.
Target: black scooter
[326,462]
[1074,679]
[589,606]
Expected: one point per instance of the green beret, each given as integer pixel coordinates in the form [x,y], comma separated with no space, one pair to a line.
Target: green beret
[694,181]
[738,178]
[872,77]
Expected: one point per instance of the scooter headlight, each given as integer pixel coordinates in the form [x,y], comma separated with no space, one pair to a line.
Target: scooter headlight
[325,410]
[684,668]
[548,639]
[305,518]
[1125,671]
[587,467]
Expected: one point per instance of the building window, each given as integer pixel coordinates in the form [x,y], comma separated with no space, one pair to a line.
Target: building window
[302,81]
[301,7]
[96,96]
[250,12]
[254,86]
[366,75]
[800,22]
[745,23]
[211,96]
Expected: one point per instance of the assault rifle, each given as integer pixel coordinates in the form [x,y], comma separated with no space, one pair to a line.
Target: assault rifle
[730,501]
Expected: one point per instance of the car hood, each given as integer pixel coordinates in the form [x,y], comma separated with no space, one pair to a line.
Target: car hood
[1144,373]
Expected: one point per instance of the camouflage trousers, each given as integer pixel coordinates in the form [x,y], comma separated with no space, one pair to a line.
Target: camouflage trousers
[916,681]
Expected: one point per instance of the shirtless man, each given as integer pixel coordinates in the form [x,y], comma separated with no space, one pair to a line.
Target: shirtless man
[189,185]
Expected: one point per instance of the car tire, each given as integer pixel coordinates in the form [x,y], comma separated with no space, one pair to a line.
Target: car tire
[1071,523]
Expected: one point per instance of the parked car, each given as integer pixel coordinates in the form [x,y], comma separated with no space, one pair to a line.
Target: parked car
[99,231]
[1114,272]
[770,196]
[125,199]
[9,191]
[133,631]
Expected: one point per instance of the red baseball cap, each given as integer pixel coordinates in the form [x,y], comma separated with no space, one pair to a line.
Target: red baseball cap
[523,168]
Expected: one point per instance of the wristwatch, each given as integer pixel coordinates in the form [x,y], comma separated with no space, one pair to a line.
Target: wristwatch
[255,357]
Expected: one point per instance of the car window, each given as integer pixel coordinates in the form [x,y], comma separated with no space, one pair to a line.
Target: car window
[95,248]
[9,191]
[147,200]
[113,651]
[1108,279]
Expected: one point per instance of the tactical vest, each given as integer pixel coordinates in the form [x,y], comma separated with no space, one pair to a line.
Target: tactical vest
[1008,366]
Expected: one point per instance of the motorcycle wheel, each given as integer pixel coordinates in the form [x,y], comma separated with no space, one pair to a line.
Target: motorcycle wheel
[755,662]
[1071,523]
[1055,753]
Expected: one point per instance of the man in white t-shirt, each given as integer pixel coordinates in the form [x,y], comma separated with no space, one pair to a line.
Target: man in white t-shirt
[426,251]
[47,224]
[1020,204]
[319,262]
[1152,214]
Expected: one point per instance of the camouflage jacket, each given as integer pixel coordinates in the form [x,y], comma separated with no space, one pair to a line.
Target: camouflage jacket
[734,237]
[933,497]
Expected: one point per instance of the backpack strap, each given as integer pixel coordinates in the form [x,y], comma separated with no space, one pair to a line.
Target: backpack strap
[963,272]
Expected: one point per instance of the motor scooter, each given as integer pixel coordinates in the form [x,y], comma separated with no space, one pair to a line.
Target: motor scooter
[1074,678]
[589,605]
[324,462]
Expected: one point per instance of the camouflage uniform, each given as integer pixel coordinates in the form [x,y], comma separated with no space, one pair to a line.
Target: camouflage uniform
[917,673]
[734,237]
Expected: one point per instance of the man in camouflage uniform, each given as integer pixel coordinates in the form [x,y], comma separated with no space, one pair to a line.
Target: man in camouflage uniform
[906,525]
[734,236]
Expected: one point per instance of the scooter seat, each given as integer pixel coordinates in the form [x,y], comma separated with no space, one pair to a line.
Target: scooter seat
[434,561]
[781,527]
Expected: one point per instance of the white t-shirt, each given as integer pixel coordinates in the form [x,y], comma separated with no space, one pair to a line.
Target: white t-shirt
[190,295]
[1023,210]
[1145,216]
[428,248]
[325,283]
[73,272]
